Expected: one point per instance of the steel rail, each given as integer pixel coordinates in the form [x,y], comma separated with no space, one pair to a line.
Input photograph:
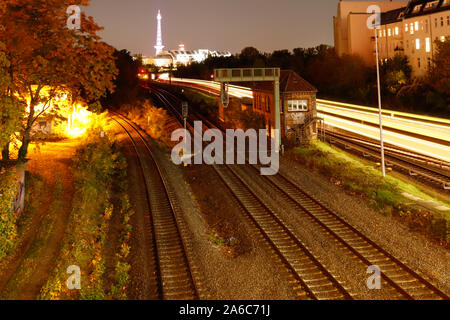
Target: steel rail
[174,267]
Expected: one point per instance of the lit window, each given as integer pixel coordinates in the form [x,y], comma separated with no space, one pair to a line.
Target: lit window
[396,31]
[384,32]
[411,28]
[416,25]
[431,5]
[443,38]
[389,32]
[297,105]
[427,45]
[417,44]
[380,33]
[406,27]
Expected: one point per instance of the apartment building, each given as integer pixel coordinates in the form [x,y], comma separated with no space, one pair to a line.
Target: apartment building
[410,30]
[414,31]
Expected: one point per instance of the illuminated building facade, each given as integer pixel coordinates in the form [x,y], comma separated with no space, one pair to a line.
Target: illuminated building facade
[184,57]
[407,28]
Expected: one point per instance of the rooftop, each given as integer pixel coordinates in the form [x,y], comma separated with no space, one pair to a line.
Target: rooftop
[290,81]
[413,9]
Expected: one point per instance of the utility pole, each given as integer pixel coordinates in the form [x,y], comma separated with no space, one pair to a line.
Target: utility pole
[383,167]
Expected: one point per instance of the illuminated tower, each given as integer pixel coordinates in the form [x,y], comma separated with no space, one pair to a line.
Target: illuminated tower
[159,46]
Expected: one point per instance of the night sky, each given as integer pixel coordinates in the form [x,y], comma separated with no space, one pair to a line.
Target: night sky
[217,25]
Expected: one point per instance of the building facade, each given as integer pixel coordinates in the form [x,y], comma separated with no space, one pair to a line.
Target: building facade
[183,57]
[413,31]
[298,106]
[407,28]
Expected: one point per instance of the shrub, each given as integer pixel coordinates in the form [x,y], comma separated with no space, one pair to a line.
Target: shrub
[8,228]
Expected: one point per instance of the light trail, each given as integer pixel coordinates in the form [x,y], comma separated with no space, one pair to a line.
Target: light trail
[400,140]
[414,124]
[433,130]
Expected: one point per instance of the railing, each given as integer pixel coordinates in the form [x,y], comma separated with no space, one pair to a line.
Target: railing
[247,74]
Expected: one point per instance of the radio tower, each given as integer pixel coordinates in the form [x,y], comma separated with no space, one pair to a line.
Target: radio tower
[159,46]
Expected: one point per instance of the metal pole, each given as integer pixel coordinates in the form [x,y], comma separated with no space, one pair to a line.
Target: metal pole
[383,168]
[277,113]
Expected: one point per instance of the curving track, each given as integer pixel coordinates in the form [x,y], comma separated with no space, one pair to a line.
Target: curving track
[172,268]
[315,279]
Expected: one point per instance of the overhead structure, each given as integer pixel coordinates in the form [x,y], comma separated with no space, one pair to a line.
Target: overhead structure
[159,46]
[252,75]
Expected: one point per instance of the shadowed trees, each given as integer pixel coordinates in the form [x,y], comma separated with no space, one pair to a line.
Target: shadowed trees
[126,84]
[347,77]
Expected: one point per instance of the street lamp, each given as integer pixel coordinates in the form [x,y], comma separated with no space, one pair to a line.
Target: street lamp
[375,25]
[383,167]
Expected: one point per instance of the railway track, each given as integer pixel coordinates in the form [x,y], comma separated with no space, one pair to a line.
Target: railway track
[406,282]
[428,169]
[315,280]
[172,267]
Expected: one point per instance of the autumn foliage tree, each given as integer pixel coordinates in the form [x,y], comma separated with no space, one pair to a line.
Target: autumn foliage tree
[46,57]
[440,71]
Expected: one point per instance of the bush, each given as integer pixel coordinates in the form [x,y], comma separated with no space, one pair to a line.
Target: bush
[96,165]
[8,228]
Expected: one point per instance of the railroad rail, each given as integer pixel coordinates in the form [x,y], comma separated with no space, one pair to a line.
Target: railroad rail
[315,280]
[172,266]
[408,283]
[404,162]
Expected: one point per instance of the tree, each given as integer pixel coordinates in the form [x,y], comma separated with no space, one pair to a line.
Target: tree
[126,84]
[395,72]
[11,110]
[439,76]
[47,58]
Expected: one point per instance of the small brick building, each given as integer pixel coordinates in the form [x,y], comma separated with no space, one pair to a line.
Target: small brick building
[297,107]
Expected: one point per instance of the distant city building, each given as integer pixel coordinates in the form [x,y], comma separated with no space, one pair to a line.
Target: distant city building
[177,57]
[407,28]
[182,57]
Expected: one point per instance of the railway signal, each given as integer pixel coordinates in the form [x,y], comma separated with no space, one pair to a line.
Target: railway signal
[225,76]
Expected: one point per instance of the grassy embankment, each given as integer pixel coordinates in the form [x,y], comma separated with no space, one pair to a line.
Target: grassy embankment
[100,192]
[385,195]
